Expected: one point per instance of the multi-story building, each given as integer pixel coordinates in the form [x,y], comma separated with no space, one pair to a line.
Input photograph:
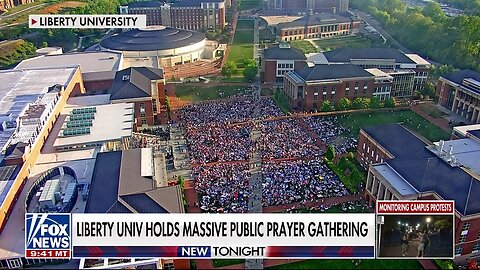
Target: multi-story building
[277,61]
[409,71]
[307,88]
[185,14]
[33,100]
[145,87]
[318,26]
[302,6]
[401,166]
[6,4]
[460,92]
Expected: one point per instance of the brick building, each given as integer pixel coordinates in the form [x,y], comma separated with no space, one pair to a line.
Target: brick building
[307,88]
[6,4]
[276,62]
[409,71]
[145,87]
[296,6]
[459,92]
[98,68]
[185,14]
[403,167]
[318,26]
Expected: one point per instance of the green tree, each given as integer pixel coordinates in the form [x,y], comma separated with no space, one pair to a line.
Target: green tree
[229,69]
[330,153]
[44,44]
[249,63]
[250,72]
[326,106]
[361,103]
[428,90]
[375,103]
[210,35]
[344,104]
[389,102]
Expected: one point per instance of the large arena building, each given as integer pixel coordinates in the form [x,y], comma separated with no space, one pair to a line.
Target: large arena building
[169,46]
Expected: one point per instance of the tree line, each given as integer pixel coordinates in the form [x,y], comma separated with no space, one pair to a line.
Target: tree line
[449,40]
[358,103]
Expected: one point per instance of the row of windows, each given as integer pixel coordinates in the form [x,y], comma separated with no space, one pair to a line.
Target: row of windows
[285,65]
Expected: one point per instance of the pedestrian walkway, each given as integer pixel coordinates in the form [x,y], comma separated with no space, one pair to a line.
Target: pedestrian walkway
[439,122]
[326,201]
[255,184]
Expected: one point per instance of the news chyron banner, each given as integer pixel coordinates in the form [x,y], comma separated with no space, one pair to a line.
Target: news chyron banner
[201,235]
[415,229]
[87,21]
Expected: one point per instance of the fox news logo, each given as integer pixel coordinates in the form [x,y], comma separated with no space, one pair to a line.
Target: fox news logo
[47,236]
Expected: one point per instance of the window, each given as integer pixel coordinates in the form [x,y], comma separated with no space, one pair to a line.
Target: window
[315,96]
[466,226]
[347,86]
[462,238]
[324,96]
[458,251]
[363,146]
[356,85]
[144,122]
[476,247]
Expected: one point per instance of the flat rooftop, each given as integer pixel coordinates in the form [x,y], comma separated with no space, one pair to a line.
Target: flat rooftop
[463,130]
[94,65]
[394,179]
[20,87]
[418,59]
[12,242]
[274,20]
[466,152]
[111,122]
[378,73]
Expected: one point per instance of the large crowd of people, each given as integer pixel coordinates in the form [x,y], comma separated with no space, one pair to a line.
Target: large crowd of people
[220,143]
[218,112]
[299,181]
[267,109]
[286,139]
[223,187]
[332,133]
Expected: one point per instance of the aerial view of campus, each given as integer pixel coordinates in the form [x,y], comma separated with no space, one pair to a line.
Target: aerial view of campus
[245,106]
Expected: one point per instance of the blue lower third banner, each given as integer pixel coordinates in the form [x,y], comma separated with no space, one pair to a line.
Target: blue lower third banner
[224,252]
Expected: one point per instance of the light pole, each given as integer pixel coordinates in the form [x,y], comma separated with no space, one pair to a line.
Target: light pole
[428,223]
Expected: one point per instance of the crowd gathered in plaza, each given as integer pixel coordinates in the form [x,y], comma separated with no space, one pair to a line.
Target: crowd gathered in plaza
[223,187]
[332,133]
[286,139]
[299,181]
[221,145]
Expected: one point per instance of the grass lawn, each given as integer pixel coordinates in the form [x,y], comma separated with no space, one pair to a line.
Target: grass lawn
[240,52]
[245,25]
[249,4]
[334,209]
[242,47]
[348,264]
[204,92]
[226,262]
[303,45]
[410,119]
[344,42]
